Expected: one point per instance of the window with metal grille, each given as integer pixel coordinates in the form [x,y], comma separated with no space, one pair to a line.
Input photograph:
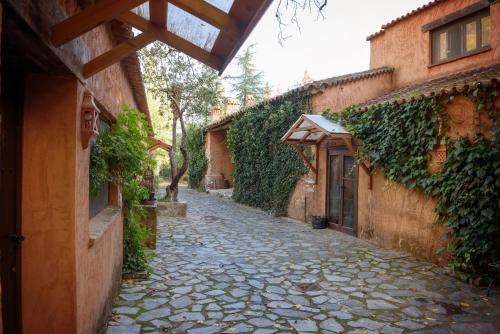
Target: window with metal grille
[461,38]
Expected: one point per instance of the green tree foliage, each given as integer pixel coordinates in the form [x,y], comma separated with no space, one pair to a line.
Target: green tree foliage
[398,139]
[189,89]
[266,170]
[196,147]
[121,155]
[249,81]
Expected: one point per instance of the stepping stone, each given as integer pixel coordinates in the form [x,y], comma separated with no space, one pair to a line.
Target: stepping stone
[237,293]
[304,325]
[272,296]
[154,314]
[213,307]
[234,317]
[256,284]
[408,324]
[261,322]
[379,304]
[188,316]
[239,305]
[182,290]
[132,296]
[335,278]
[332,326]
[181,302]
[126,310]
[366,323]
[215,315]
[275,289]
[215,292]
[204,330]
[320,299]
[279,304]
[135,329]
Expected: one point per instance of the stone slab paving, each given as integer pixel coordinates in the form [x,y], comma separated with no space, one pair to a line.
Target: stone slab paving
[227,268]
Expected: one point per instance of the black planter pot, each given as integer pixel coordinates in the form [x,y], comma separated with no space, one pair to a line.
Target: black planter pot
[319,222]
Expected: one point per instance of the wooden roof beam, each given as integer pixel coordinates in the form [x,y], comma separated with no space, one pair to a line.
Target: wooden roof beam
[173,40]
[210,14]
[116,54]
[158,12]
[88,19]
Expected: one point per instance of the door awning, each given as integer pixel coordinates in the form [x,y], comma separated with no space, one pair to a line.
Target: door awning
[210,31]
[313,129]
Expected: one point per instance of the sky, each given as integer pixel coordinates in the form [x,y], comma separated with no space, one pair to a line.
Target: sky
[326,47]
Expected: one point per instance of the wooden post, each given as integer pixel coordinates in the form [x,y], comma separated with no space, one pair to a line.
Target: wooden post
[1,26]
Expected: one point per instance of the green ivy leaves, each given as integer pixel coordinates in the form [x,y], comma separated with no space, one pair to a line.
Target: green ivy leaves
[265,170]
[198,163]
[398,138]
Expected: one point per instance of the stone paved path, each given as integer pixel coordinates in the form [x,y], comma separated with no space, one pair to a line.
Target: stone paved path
[232,269]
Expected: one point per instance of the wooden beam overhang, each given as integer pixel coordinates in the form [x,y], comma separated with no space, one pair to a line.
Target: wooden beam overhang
[116,54]
[233,27]
[95,15]
[210,14]
[171,39]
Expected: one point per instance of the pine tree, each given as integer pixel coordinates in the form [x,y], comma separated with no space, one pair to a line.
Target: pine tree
[249,81]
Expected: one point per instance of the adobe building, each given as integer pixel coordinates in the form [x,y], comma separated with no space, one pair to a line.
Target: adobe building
[220,166]
[66,69]
[416,54]
[64,276]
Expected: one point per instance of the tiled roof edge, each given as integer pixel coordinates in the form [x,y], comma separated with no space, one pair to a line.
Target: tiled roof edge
[404,17]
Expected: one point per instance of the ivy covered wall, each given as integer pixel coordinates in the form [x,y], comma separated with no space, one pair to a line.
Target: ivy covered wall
[399,140]
[266,170]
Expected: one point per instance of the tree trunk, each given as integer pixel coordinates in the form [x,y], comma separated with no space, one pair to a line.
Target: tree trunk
[173,188]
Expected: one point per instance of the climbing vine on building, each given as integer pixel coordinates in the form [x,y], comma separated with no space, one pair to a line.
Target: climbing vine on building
[397,138]
[120,155]
[198,163]
[266,170]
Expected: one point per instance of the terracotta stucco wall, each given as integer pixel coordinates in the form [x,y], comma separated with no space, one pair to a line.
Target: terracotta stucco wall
[219,157]
[337,98]
[49,204]
[406,48]
[98,267]
[71,281]
[333,99]
[389,214]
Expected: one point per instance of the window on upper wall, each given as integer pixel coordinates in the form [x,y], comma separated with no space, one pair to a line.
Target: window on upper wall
[461,38]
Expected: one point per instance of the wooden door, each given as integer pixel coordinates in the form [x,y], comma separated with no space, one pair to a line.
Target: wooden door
[341,192]
[11,109]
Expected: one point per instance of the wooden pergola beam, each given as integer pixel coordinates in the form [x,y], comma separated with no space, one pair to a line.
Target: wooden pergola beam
[119,52]
[173,40]
[158,12]
[303,156]
[210,14]
[88,19]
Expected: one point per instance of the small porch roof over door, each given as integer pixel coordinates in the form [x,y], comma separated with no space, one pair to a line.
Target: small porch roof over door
[210,31]
[313,129]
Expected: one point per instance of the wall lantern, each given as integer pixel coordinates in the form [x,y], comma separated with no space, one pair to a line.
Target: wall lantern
[90,120]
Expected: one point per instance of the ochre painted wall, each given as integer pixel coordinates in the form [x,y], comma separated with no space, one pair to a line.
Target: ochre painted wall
[333,99]
[49,204]
[98,268]
[219,157]
[405,47]
[61,274]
